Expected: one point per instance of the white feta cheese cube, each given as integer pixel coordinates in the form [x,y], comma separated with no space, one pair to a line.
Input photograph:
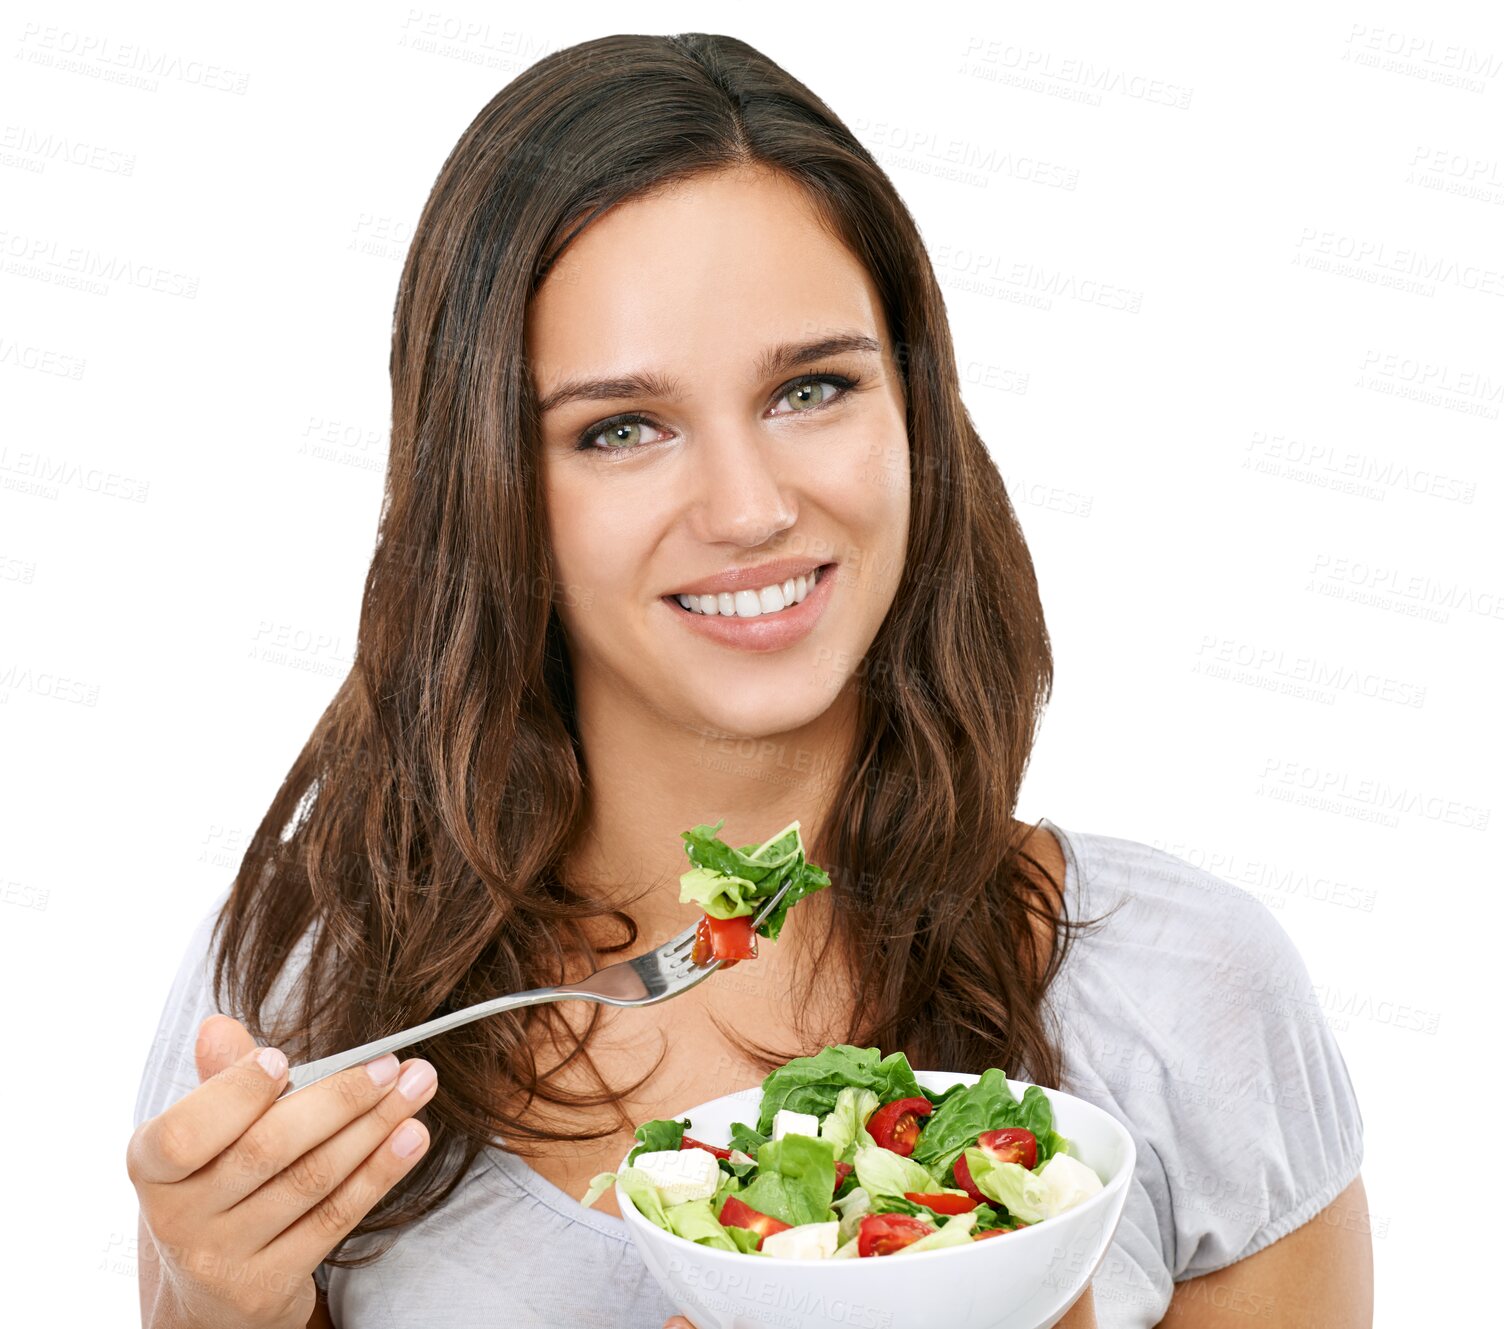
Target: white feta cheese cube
[681,1174]
[1067,1182]
[795,1123]
[808,1241]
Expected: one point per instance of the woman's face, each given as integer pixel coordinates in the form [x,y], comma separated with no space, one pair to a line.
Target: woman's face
[739,450]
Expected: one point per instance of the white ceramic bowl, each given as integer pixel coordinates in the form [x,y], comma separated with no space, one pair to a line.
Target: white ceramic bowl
[1025,1280]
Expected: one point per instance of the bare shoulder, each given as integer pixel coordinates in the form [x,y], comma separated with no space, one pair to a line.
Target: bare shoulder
[320,1317]
[1046,848]
[1042,846]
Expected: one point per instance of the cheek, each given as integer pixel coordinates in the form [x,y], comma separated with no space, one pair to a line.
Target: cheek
[601,535]
[871,492]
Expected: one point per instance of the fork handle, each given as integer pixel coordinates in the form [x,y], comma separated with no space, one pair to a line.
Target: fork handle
[300,1077]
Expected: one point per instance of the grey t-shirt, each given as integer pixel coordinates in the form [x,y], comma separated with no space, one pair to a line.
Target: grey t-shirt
[1189,1015]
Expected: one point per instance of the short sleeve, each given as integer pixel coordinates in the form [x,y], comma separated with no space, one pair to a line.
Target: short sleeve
[170,1070]
[1275,1133]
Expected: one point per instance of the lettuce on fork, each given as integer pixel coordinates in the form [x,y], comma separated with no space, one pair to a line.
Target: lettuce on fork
[732,883]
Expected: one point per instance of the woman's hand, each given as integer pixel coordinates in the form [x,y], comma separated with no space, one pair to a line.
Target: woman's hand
[244,1195]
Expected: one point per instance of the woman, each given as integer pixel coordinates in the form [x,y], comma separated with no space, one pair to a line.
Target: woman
[666,334]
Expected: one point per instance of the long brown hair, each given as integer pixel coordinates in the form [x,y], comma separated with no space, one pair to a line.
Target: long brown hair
[425,824]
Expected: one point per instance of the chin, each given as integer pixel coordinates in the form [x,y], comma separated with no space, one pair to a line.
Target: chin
[738,706]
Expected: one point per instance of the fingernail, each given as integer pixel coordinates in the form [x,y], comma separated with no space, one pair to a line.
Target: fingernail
[415,1079]
[384,1069]
[273,1061]
[407,1139]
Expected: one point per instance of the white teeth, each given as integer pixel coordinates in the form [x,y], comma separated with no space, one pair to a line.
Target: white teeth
[752,604]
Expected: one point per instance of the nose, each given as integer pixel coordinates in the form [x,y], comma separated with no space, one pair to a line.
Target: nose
[738,494]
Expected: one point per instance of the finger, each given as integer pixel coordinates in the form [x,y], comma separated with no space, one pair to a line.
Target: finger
[297,1124]
[222,1041]
[313,1236]
[180,1140]
[678,1322]
[310,1179]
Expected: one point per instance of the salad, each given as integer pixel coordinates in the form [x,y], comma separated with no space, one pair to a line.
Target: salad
[730,885]
[852,1158]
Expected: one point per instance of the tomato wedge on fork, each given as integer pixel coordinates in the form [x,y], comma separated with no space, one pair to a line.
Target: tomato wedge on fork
[725,939]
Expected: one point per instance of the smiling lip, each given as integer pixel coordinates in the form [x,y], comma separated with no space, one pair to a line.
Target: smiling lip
[750,579]
[765,632]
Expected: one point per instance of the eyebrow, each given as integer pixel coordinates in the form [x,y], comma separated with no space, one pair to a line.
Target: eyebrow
[775,360]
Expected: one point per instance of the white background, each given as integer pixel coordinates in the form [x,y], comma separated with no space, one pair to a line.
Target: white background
[1260,497]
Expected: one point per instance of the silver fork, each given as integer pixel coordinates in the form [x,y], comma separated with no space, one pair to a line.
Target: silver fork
[650,978]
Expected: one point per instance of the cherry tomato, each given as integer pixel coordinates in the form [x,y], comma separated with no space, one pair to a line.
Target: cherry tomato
[964,1181]
[895,1125]
[843,1170]
[942,1203]
[1012,1144]
[882,1234]
[690,1142]
[734,1213]
[992,1232]
[728,939]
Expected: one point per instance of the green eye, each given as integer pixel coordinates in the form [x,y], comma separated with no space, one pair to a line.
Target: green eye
[811,393]
[622,434]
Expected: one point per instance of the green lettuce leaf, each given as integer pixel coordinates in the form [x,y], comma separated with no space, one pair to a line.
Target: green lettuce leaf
[987,1105]
[988,1218]
[695,1220]
[656,1135]
[745,1239]
[852,1207]
[795,1178]
[599,1185]
[939,1096]
[845,1125]
[1038,1117]
[743,1137]
[813,1084]
[1012,1185]
[730,883]
[717,894]
[644,1195]
[730,1183]
[881,1172]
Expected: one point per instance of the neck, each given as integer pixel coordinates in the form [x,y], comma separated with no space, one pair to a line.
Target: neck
[651,776]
